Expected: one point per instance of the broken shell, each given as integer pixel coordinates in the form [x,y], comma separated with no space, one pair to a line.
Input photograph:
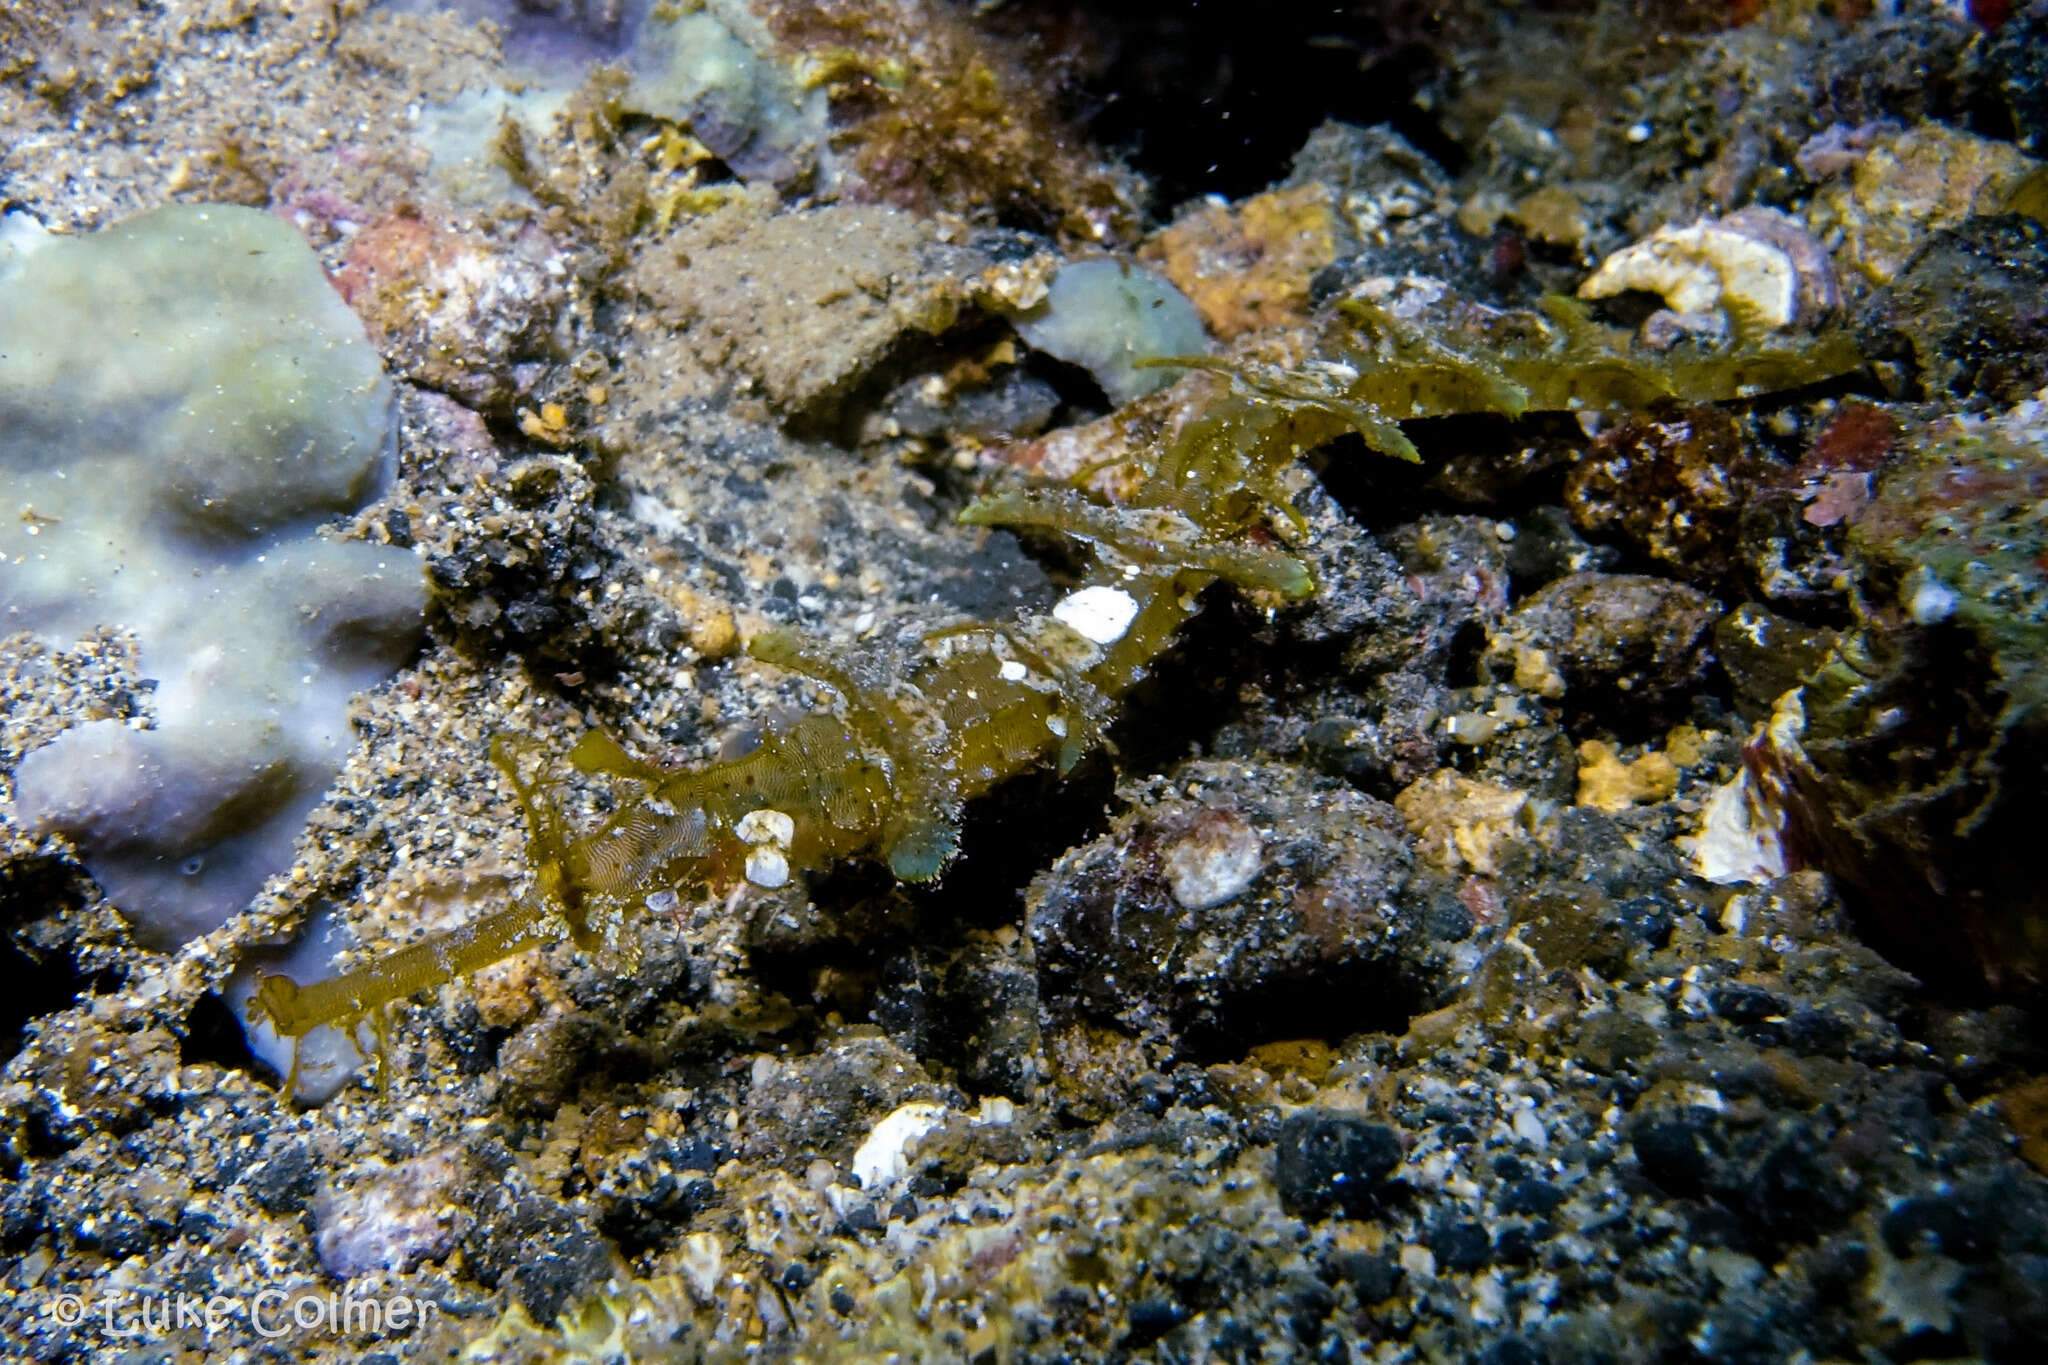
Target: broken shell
[767,868]
[1215,862]
[765,826]
[1098,613]
[1757,265]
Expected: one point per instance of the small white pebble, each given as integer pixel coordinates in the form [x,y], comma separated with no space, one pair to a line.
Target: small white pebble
[1418,1262]
[1932,602]
[767,868]
[1101,614]
[882,1158]
[765,827]
[1012,671]
[1214,863]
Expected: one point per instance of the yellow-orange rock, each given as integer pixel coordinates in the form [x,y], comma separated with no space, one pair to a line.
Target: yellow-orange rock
[1247,265]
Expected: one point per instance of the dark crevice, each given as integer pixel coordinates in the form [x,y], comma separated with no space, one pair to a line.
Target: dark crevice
[37,963]
[214,1036]
[1358,997]
[1216,98]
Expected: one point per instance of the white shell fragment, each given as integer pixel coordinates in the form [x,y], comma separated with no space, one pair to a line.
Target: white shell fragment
[1012,671]
[1929,600]
[1215,862]
[882,1159]
[765,827]
[767,868]
[1101,614]
[1739,840]
[1695,269]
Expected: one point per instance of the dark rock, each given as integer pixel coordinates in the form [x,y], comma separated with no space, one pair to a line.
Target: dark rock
[2002,1309]
[1940,1223]
[1330,1163]
[284,1180]
[1818,1033]
[826,1101]
[560,1272]
[645,1218]
[1448,921]
[1538,758]
[1534,1197]
[1455,575]
[1672,1151]
[1796,1190]
[1233,902]
[1617,641]
[1784,558]
[1361,594]
[119,1235]
[1767,655]
[1547,548]
[1968,314]
[1385,738]
[1515,1245]
[1785,1182]
[2017,61]
[1373,1278]
[528,1241]
[1909,68]
[1673,484]
[1914,780]
[1460,1246]
[1151,1319]
[992,998]
[1756,1011]
[1983,1048]
[1647,920]
[1512,1351]
[543,1063]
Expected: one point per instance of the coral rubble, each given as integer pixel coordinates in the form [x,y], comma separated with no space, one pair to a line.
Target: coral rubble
[952,802]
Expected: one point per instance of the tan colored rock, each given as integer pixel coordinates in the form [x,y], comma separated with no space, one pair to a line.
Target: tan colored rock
[1247,266]
[1554,216]
[1459,821]
[802,305]
[1607,783]
[1914,183]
